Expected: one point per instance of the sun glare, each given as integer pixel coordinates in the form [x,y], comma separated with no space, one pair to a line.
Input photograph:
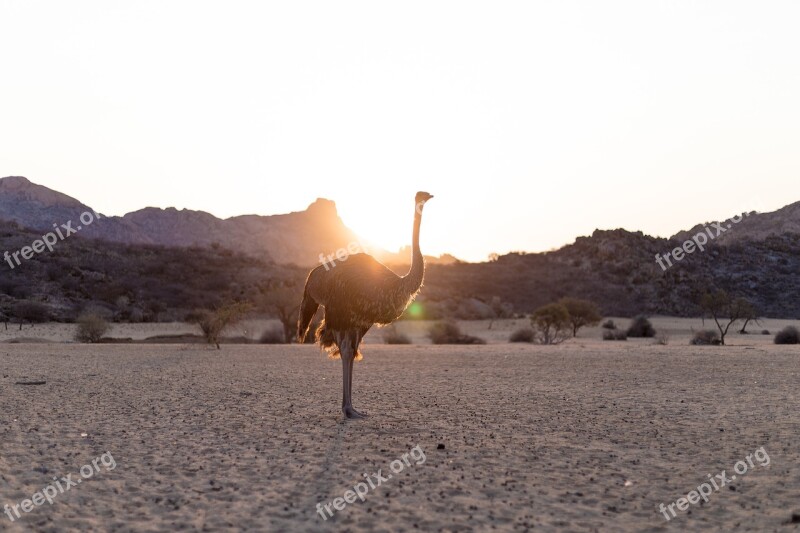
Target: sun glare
[387,229]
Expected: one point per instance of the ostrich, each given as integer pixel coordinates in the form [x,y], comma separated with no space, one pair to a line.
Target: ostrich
[357,294]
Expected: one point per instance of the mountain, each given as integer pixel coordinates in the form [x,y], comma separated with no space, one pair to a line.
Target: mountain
[293,238]
[617,270]
[162,263]
[749,226]
[34,206]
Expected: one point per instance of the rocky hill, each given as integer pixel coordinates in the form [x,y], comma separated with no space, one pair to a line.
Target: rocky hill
[294,238]
[749,226]
[162,263]
[617,269]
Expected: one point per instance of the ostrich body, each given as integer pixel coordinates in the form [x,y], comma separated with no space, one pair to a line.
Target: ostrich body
[357,294]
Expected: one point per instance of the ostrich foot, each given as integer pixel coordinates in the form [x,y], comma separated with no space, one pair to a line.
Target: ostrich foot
[349,412]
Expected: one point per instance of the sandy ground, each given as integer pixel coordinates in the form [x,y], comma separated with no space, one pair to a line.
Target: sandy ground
[585,436]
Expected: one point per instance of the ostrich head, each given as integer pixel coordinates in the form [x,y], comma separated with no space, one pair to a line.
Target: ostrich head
[420,200]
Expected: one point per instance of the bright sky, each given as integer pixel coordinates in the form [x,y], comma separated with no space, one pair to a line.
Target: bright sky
[531,122]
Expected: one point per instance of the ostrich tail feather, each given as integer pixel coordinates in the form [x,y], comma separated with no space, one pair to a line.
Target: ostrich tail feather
[327,342]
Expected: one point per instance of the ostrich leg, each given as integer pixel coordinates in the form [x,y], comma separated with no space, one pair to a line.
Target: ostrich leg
[348,347]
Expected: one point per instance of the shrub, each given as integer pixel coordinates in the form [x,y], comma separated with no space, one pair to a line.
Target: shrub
[31,312]
[91,328]
[662,339]
[705,338]
[641,327]
[788,335]
[449,333]
[522,335]
[212,324]
[273,335]
[615,335]
[765,332]
[551,324]
[609,324]
[392,336]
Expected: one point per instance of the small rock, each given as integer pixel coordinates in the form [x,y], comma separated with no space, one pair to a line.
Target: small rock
[440,447]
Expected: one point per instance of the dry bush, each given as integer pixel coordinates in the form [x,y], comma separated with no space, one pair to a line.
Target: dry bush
[705,338]
[449,333]
[614,335]
[609,324]
[641,327]
[788,335]
[91,328]
[522,335]
[30,312]
[212,324]
[392,336]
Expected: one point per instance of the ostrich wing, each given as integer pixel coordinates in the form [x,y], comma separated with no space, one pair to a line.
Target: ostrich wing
[360,291]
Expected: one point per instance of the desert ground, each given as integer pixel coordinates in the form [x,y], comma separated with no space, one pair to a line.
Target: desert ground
[584,436]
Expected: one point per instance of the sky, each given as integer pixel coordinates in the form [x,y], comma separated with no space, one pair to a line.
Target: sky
[531,122]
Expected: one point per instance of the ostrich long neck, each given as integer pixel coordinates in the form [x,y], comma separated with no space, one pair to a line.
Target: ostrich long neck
[413,280]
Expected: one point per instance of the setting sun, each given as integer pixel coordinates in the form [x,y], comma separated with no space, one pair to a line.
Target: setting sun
[388,224]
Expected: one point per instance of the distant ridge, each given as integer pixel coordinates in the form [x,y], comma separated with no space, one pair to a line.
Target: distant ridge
[293,238]
[758,259]
[753,226]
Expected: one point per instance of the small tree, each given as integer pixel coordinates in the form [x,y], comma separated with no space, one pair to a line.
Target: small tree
[581,313]
[749,315]
[91,328]
[283,302]
[212,324]
[725,310]
[551,324]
